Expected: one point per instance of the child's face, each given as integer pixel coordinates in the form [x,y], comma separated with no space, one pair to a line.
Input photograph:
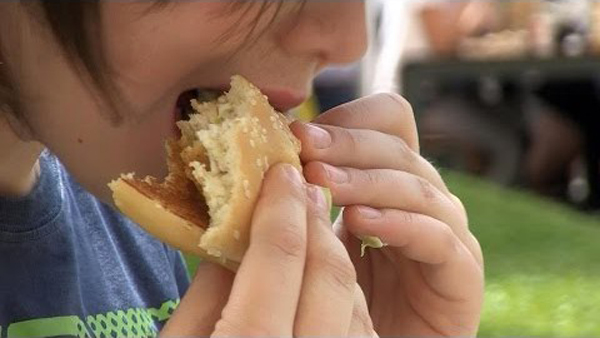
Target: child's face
[158,54]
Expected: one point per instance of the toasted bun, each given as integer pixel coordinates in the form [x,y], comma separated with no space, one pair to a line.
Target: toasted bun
[205,205]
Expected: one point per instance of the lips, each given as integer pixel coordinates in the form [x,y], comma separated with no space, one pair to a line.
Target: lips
[283,99]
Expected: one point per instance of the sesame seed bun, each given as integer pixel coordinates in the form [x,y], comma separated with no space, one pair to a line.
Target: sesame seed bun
[205,205]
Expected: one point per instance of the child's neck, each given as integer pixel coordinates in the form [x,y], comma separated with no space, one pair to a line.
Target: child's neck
[19,168]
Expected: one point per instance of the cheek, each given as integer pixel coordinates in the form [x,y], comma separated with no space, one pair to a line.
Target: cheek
[95,152]
[151,51]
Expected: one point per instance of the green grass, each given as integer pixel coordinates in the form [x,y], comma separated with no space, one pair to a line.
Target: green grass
[542,262]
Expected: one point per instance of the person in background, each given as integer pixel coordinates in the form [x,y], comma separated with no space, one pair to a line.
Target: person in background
[411,30]
[461,125]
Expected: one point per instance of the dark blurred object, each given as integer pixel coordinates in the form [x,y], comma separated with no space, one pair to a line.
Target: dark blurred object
[337,85]
[578,102]
[568,85]
[554,150]
[472,136]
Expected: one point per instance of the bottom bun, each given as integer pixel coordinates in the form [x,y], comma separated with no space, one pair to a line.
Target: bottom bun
[162,223]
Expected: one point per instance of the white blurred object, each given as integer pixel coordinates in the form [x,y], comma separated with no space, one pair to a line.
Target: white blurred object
[395,35]
[572,18]
[404,30]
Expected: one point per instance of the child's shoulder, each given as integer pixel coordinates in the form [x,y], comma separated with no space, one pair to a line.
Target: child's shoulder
[66,252]
[26,217]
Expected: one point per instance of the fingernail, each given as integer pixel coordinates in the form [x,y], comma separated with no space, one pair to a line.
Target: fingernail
[292,173]
[320,138]
[316,196]
[336,175]
[368,213]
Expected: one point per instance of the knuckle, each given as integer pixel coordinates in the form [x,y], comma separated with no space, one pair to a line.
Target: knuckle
[372,178]
[404,107]
[297,193]
[288,242]
[407,217]
[403,117]
[405,153]
[448,241]
[363,321]
[339,268]
[426,189]
[395,98]
[351,139]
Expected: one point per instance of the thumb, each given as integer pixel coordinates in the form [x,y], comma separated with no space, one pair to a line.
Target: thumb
[201,306]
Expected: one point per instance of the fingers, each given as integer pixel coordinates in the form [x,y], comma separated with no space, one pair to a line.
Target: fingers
[450,270]
[369,149]
[361,325]
[387,112]
[403,229]
[296,277]
[210,288]
[327,300]
[374,187]
[267,287]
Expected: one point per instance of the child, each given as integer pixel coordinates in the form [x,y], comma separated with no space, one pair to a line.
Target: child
[89,91]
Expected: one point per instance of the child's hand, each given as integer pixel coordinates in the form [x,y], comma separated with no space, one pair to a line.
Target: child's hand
[429,279]
[296,279]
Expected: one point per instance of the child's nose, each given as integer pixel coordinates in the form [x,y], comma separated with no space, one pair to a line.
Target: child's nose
[333,31]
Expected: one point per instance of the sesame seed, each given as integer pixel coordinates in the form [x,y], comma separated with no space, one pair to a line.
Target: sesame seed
[236,234]
[273,118]
[252,143]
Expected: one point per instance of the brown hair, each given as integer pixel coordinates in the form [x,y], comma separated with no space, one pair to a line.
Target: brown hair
[76,26]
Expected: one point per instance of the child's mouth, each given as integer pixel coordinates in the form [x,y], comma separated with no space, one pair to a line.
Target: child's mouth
[183,105]
[282,100]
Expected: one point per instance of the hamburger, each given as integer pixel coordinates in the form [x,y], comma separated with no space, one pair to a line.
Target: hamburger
[204,205]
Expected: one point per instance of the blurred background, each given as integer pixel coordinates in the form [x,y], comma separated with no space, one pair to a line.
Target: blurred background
[507,100]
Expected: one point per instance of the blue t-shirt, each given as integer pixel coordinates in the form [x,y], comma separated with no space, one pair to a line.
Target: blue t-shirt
[72,266]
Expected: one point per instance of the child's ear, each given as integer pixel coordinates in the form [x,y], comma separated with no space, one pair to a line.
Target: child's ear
[15,123]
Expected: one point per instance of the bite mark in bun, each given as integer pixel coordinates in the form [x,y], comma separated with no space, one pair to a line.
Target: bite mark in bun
[205,205]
